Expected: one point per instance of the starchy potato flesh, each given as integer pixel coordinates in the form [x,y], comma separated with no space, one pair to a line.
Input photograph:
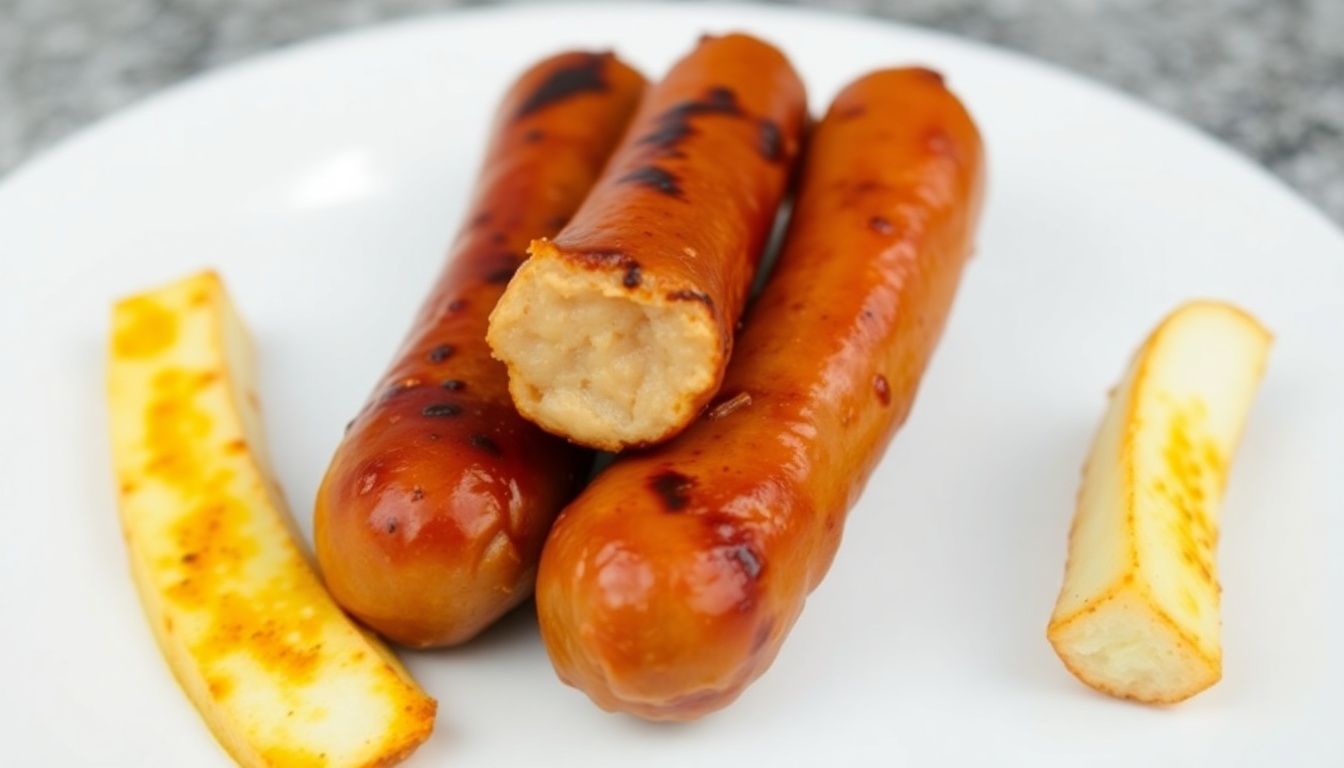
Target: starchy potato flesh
[1138,615]
[281,676]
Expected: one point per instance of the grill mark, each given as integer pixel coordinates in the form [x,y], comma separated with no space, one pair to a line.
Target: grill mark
[655,178]
[485,444]
[673,126]
[769,141]
[441,352]
[690,295]
[441,410]
[587,76]
[673,489]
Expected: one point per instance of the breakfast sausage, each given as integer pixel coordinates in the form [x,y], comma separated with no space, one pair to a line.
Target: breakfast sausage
[670,583]
[432,513]
[652,274]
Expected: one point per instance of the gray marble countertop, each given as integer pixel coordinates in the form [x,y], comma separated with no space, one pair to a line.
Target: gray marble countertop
[1264,76]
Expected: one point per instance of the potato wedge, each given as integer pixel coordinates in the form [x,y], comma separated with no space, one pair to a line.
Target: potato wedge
[1138,615]
[279,673]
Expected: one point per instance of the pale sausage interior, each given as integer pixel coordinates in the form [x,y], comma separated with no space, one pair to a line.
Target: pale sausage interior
[601,363]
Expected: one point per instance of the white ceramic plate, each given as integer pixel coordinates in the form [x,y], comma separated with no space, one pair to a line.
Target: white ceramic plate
[326,181]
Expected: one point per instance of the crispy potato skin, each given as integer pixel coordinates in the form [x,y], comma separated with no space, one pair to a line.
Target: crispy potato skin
[431,516]
[683,212]
[671,582]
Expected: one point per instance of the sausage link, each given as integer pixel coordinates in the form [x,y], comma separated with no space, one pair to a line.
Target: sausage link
[652,273]
[671,582]
[431,516]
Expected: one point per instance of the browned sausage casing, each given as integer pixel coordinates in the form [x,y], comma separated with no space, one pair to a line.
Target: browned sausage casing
[651,275]
[430,519]
[670,583]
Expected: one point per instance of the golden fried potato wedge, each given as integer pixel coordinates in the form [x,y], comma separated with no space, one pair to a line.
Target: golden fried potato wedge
[1138,615]
[280,674]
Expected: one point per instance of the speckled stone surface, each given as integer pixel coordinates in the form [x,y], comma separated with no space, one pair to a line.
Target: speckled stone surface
[1264,76]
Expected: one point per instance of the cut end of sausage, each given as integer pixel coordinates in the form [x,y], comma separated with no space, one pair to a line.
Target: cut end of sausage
[599,361]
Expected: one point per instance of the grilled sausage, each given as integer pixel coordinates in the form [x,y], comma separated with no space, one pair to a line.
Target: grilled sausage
[652,273]
[670,583]
[431,516]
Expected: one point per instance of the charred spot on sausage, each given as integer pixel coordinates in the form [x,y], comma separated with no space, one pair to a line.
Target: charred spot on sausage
[506,265]
[441,352]
[881,225]
[441,410]
[453,385]
[655,178]
[673,488]
[632,276]
[722,100]
[690,295]
[587,76]
[667,134]
[769,141]
[502,275]
[485,444]
[674,124]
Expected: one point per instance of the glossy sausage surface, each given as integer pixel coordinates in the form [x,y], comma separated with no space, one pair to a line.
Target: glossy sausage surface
[430,519]
[653,271]
[671,582]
